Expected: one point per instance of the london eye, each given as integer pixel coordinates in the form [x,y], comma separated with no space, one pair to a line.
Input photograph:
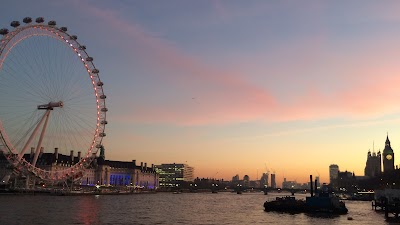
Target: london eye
[51,98]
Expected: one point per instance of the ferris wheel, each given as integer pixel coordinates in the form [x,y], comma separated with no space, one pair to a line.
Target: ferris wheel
[51,99]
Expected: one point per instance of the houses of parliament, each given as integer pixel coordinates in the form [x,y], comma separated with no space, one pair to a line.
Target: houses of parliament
[373,165]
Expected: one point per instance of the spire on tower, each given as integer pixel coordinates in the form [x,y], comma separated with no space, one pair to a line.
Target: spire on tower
[373,146]
[387,142]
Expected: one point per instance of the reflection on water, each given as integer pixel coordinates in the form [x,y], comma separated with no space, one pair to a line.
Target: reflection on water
[89,209]
[166,208]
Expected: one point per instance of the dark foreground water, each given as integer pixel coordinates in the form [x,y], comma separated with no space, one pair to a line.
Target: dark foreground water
[165,208]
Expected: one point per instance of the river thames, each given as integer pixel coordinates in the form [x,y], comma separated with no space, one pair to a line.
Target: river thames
[166,208]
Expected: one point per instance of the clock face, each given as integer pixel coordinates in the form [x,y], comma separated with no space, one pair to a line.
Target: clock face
[389,157]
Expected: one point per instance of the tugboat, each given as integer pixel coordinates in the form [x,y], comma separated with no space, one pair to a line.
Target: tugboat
[320,202]
[325,202]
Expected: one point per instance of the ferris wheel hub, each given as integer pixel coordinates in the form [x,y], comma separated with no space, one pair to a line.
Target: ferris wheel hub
[51,105]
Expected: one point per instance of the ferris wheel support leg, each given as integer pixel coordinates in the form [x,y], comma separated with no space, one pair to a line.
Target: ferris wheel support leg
[47,115]
[6,177]
[32,136]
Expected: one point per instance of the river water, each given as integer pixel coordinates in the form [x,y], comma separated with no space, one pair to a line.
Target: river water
[166,208]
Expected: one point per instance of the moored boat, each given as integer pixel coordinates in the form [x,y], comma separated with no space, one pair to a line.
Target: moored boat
[322,201]
[285,204]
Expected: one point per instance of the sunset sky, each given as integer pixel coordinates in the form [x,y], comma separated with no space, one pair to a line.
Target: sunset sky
[236,87]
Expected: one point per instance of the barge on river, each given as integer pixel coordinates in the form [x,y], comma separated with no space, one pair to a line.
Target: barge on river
[323,201]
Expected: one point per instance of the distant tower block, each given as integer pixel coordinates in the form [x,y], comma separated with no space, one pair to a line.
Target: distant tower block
[333,175]
[273,181]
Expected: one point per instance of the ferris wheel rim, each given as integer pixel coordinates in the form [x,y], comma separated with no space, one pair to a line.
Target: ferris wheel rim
[70,40]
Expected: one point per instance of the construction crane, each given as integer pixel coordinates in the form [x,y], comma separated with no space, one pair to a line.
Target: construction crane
[266,169]
[319,177]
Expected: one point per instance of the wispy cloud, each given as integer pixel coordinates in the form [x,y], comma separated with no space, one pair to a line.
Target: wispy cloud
[226,96]
[295,131]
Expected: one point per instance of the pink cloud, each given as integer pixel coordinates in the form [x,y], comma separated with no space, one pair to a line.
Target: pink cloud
[226,90]
[220,9]
[372,96]
[225,96]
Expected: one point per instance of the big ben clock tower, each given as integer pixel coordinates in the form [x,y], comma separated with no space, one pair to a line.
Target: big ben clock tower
[388,156]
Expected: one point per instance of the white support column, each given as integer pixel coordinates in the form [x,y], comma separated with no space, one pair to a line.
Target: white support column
[41,138]
[32,136]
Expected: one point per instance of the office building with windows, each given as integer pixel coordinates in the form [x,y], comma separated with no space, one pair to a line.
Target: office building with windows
[174,174]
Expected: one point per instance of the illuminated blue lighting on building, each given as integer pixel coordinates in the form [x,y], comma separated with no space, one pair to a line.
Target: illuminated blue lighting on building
[120,179]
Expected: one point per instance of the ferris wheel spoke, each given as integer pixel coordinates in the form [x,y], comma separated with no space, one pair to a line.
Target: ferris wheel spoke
[21,66]
[78,128]
[24,86]
[27,63]
[22,134]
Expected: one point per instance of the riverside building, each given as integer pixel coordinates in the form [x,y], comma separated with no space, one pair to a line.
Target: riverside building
[120,173]
[173,175]
[100,172]
[373,166]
